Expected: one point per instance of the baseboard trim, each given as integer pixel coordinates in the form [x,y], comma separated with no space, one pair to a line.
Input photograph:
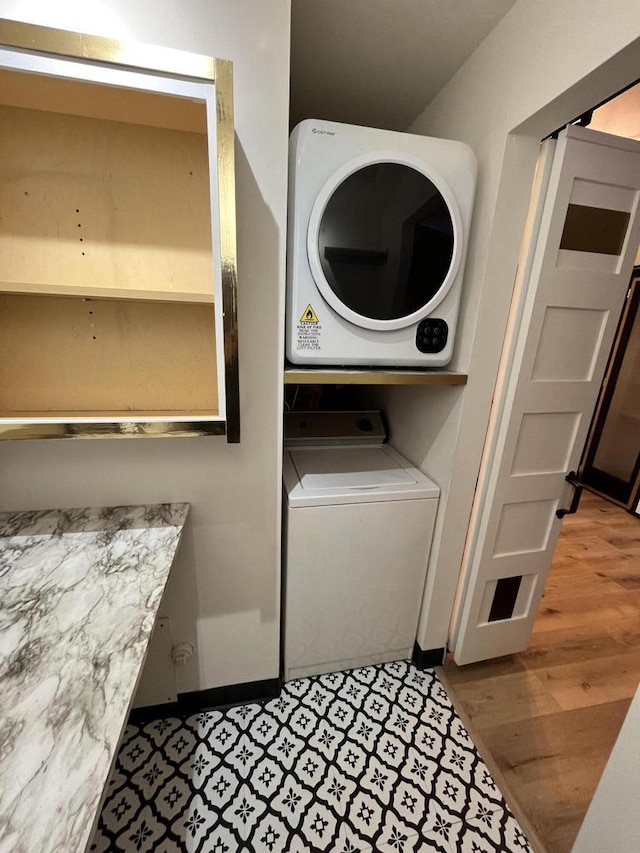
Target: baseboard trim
[206,700]
[427,658]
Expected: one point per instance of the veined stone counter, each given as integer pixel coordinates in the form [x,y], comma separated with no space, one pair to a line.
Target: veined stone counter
[79,594]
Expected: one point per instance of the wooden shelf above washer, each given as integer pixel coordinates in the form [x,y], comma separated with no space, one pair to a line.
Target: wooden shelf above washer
[369,376]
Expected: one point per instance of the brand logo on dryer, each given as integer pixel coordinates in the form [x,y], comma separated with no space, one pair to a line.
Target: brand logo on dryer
[324,132]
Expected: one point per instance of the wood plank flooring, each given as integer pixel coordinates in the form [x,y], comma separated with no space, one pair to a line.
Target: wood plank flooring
[548,717]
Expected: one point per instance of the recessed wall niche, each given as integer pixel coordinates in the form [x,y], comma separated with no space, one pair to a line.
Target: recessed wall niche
[111,291]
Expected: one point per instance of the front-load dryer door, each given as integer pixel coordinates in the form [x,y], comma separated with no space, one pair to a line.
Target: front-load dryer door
[384,241]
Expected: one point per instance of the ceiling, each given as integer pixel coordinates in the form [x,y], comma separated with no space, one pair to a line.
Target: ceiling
[380,62]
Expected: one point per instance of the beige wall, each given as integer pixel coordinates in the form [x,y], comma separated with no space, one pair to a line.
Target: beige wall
[224,590]
[545,63]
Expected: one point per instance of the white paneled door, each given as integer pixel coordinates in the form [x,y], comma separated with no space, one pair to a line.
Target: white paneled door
[583,244]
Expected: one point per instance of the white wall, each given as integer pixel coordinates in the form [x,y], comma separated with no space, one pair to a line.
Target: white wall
[224,590]
[545,63]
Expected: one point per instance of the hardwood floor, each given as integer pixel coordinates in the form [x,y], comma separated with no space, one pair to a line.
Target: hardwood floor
[548,717]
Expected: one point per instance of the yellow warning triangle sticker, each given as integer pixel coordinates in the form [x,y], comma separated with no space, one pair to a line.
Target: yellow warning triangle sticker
[309,315]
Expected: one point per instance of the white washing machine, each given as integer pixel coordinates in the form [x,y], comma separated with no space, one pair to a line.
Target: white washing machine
[377,238]
[358,524]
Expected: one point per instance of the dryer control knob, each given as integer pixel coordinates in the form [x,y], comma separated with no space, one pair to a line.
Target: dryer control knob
[431,335]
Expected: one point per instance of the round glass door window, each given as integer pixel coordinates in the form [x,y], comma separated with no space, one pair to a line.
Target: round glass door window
[386,242]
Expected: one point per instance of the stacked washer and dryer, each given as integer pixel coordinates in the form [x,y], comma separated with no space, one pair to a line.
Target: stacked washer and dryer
[378,228]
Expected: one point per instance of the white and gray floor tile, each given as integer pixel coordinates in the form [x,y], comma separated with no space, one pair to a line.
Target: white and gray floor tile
[374,759]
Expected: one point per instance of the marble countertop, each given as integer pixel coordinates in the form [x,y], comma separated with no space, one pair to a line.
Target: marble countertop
[79,594]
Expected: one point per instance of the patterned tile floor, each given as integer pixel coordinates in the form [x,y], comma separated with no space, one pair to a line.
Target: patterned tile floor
[374,759]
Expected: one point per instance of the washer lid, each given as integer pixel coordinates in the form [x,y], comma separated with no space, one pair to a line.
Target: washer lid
[318,476]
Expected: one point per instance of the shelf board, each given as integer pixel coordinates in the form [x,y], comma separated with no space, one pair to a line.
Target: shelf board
[370,376]
[91,292]
[95,100]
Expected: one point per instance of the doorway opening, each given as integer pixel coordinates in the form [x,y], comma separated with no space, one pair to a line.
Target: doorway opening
[548,717]
[610,463]
[611,459]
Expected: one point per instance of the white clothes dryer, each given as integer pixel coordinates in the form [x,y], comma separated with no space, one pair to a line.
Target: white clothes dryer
[378,228]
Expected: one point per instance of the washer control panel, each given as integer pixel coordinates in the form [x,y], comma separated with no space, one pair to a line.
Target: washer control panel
[431,335]
[309,428]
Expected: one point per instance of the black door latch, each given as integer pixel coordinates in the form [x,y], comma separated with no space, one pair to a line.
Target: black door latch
[578,486]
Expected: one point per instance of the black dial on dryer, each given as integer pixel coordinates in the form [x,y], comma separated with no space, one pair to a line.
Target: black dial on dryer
[431,335]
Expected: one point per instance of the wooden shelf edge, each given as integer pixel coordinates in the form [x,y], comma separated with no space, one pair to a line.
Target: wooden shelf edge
[35,289]
[370,376]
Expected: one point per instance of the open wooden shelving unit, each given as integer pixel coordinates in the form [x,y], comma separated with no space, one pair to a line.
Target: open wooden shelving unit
[110,262]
